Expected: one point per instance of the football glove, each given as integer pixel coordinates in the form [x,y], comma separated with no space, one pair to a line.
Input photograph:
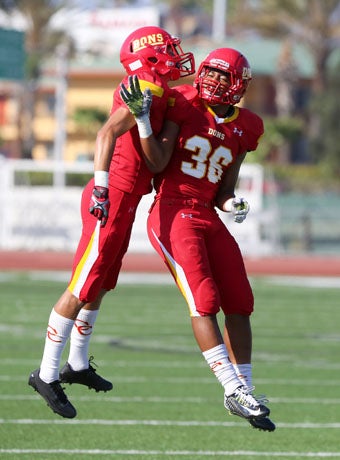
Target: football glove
[239,207]
[100,204]
[139,104]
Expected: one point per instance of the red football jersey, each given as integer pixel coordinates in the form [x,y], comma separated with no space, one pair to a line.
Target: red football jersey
[128,171]
[206,146]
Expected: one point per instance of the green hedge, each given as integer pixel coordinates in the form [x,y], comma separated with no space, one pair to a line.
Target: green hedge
[38,178]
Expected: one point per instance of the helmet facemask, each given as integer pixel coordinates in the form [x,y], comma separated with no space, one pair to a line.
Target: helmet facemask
[169,59]
[228,91]
[234,78]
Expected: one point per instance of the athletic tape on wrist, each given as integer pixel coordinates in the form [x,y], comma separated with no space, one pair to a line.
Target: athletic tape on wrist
[228,205]
[101,178]
[144,127]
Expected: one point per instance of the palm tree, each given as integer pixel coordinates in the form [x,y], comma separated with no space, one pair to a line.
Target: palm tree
[41,42]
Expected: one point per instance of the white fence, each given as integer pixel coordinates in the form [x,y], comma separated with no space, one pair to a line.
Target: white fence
[48,218]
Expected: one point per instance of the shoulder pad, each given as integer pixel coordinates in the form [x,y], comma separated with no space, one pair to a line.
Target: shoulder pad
[182,94]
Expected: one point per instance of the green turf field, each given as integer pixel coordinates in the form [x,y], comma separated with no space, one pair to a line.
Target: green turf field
[165,403]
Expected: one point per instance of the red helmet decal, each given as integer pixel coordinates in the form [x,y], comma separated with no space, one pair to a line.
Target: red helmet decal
[153,49]
[151,39]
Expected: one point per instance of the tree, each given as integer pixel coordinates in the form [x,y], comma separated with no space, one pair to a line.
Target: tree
[41,42]
[326,147]
[313,23]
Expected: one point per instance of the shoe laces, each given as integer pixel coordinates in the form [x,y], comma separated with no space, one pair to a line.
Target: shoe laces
[261,399]
[244,397]
[91,361]
[59,391]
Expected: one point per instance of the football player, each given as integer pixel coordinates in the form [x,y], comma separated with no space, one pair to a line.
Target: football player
[202,145]
[122,175]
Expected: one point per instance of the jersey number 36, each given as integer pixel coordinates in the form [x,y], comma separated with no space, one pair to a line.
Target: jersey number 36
[206,161]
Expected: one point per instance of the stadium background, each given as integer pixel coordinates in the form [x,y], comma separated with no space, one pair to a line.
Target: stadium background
[309,223]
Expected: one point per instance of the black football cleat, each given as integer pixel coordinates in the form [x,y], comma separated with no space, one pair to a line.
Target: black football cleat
[53,394]
[262,423]
[87,377]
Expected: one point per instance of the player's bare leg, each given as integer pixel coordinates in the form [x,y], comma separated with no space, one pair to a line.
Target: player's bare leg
[68,305]
[79,368]
[238,340]
[238,400]
[237,336]
[206,331]
[46,379]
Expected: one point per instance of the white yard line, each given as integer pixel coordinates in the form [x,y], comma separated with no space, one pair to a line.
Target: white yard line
[198,380]
[167,400]
[175,453]
[302,425]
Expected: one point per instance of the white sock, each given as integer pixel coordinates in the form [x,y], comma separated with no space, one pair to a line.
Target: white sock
[244,373]
[80,339]
[219,363]
[58,331]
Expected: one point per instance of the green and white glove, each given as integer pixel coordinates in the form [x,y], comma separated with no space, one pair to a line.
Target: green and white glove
[139,104]
[239,207]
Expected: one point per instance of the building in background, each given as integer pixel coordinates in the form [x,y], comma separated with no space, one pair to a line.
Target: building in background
[77,87]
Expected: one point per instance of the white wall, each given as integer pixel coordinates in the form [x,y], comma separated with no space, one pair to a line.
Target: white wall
[48,218]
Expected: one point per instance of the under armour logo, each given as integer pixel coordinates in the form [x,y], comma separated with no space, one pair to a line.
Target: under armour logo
[183,215]
[238,131]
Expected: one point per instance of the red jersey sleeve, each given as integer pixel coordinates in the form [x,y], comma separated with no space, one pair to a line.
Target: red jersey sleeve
[145,81]
[181,100]
[252,125]
[128,170]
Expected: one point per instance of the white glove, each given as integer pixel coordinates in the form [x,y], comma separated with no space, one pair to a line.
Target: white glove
[239,207]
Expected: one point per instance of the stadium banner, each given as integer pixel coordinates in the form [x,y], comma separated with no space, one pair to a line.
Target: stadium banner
[103,30]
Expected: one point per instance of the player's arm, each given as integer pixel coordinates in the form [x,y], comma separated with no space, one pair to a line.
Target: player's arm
[156,151]
[225,198]
[118,123]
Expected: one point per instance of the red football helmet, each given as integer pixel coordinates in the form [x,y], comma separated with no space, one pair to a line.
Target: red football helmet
[237,69]
[152,48]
